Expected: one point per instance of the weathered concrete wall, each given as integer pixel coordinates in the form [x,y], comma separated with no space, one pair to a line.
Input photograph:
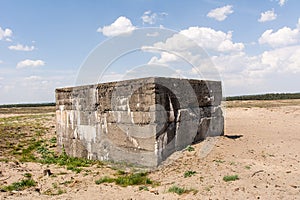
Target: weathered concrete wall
[140,121]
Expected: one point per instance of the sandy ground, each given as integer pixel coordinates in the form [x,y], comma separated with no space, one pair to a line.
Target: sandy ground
[261,146]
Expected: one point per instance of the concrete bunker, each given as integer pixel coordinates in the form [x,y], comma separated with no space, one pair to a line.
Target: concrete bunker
[140,121]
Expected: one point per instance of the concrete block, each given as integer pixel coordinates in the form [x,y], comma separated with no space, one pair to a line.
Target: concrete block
[140,121]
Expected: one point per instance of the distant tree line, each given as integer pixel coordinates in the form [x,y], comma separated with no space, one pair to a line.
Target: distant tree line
[26,105]
[269,96]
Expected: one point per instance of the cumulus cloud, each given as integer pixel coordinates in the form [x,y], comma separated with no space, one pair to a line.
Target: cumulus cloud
[122,25]
[5,33]
[30,63]
[211,39]
[242,72]
[188,50]
[267,16]
[283,37]
[207,38]
[151,18]
[165,58]
[20,47]
[281,60]
[221,13]
[286,59]
[282,2]
[228,57]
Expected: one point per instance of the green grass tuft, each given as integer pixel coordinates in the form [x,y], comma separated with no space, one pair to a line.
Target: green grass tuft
[219,161]
[189,174]
[127,179]
[27,175]
[72,163]
[230,178]
[105,179]
[18,186]
[145,188]
[177,190]
[53,140]
[133,179]
[190,148]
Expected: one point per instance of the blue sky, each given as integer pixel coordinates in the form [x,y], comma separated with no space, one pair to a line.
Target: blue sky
[255,45]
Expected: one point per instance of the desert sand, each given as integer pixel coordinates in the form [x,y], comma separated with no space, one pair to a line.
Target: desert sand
[261,145]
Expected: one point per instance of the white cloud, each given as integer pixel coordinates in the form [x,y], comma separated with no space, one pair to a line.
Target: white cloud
[185,46]
[20,47]
[30,63]
[33,78]
[221,13]
[282,2]
[283,37]
[239,71]
[1,61]
[122,25]
[207,38]
[257,68]
[211,39]
[255,74]
[286,59]
[267,16]
[5,33]
[151,18]
[165,58]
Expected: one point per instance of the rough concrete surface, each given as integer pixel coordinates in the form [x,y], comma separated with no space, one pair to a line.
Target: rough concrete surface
[140,121]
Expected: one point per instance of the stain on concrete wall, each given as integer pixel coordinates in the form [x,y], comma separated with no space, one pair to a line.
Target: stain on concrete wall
[140,121]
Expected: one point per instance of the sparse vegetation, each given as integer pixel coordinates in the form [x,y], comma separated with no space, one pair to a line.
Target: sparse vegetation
[181,190]
[127,179]
[145,188]
[53,140]
[27,175]
[230,178]
[18,186]
[133,179]
[105,179]
[219,161]
[177,190]
[55,191]
[189,174]
[190,148]
[30,138]
[22,138]
[72,163]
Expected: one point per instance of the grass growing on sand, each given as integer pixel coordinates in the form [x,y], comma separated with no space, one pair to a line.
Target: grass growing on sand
[18,186]
[128,179]
[24,138]
[190,148]
[231,178]
[181,190]
[189,174]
